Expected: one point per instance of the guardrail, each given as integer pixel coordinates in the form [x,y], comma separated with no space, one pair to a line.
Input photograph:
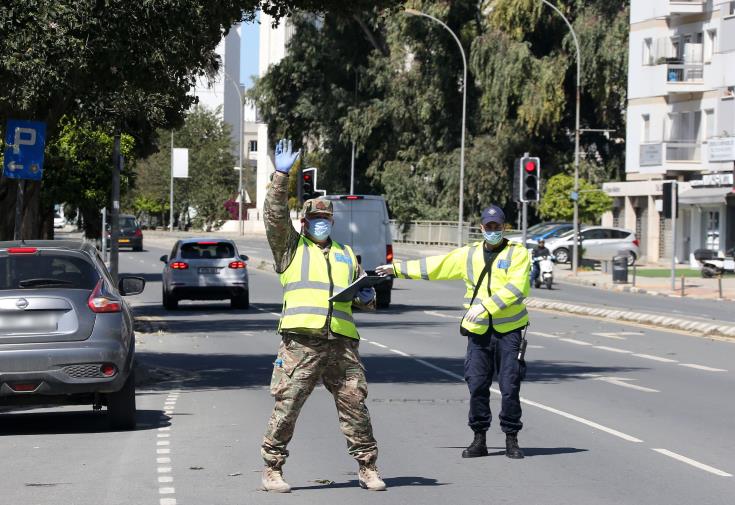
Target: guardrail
[433,232]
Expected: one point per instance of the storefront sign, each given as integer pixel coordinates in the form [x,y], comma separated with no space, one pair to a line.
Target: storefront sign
[721,149]
[651,155]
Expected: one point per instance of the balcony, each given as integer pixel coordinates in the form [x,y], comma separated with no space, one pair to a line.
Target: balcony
[684,77]
[686,6]
[676,155]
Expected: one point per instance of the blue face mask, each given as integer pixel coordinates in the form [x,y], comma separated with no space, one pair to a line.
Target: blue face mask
[320,229]
[493,237]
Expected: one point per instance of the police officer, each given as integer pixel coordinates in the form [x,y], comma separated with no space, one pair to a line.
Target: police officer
[539,252]
[496,274]
[319,337]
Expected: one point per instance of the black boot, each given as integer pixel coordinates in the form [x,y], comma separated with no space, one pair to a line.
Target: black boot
[477,448]
[511,446]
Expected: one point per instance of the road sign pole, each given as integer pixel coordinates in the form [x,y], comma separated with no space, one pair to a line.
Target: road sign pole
[525,223]
[115,215]
[674,202]
[104,235]
[18,232]
[171,194]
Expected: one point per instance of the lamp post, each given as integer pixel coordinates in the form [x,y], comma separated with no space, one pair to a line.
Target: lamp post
[239,165]
[414,12]
[575,257]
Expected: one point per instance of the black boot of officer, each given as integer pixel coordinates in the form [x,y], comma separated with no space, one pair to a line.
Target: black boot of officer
[477,448]
[511,446]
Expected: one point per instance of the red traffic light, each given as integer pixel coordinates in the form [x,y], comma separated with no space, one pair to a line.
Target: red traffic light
[307,177]
[530,166]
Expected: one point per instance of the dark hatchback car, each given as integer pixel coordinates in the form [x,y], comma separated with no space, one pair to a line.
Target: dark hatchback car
[131,234]
[66,334]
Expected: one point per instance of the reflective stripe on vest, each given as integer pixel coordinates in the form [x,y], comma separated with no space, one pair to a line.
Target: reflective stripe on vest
[307,289]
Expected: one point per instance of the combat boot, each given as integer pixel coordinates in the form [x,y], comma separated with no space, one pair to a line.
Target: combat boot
[511,446]
[477,448]
[369,477]
[273,480]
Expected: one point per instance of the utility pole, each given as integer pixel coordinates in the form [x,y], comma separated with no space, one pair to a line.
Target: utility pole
[171,194]
[115,214]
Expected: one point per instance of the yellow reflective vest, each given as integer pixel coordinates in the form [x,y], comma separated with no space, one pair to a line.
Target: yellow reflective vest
[509,282]
[308,283]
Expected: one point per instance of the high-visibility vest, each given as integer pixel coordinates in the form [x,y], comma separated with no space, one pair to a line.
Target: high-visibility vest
[308,283]
[509,282]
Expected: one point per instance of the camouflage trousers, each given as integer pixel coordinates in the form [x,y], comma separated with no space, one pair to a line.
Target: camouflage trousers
[302,361]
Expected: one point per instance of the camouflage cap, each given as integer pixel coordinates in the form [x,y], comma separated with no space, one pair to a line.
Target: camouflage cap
[318,206]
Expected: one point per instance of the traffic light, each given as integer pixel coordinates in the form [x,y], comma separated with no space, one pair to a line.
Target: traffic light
[529,177]
[670,199]
[308,183]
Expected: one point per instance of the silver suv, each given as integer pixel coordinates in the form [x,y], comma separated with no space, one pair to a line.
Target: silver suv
[600,243]
[66,334]
[205,269]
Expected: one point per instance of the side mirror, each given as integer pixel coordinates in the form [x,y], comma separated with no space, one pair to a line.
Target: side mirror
[244,257]
[164,258]
[131,285]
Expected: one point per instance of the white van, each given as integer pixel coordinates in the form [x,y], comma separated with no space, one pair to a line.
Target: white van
[361,221]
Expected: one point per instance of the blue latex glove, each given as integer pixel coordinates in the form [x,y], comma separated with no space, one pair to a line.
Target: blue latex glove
[366,295]
[285,158]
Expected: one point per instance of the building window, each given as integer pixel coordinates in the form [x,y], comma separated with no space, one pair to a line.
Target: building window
[646,128]
[711,45]
[731,9]
[709,115]
[648,58]
[253,146]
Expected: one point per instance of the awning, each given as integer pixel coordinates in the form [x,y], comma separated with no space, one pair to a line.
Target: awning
[704,196]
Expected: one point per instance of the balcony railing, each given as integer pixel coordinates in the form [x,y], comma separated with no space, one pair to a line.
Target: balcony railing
[657,153]
[686,6]
[685,72]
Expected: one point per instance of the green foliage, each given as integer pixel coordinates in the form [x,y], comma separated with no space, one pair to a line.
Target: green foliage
[404,111]
[212,180]
[557,204]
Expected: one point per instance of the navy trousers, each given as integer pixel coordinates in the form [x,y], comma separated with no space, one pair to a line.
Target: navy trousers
[486,355]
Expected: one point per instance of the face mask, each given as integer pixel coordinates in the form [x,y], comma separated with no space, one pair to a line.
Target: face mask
[493,237]
[319,228]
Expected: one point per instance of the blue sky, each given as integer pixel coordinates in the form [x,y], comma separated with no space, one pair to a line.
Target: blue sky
[249,52]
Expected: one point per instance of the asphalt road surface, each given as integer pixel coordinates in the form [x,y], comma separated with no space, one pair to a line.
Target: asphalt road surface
[613,413]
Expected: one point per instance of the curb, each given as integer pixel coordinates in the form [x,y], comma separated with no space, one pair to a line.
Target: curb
[624,288]
[705,328]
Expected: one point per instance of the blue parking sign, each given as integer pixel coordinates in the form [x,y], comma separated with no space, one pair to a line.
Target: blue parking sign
[25,142]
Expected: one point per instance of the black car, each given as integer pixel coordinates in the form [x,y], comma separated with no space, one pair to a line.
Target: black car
[66,333]
[131,234]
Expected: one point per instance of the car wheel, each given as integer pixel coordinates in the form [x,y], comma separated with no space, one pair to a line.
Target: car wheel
[241,302]
[548,282]
[121,405]
[170,302]
[562,255]
[708,271]
[631,259]
[138,248]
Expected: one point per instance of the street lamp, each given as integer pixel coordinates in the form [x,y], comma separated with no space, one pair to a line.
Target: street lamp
[413,12]
[575,196]
[241,133]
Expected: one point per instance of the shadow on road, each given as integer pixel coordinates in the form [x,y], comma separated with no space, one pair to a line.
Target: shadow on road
[390,482]
[62,423]
[243,371]
[148,276]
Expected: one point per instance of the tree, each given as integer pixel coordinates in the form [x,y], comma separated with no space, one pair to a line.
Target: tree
[212,180]
[117,65]
[557,204]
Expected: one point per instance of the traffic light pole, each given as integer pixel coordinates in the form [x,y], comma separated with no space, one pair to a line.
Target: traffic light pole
[525,223]
[674,210]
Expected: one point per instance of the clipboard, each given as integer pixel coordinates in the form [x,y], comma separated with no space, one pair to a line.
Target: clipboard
[350,292]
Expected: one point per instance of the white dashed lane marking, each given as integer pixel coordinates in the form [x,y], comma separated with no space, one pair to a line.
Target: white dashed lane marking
[163,444]
[692,462]
[612,349]
[702,367]
[655,358]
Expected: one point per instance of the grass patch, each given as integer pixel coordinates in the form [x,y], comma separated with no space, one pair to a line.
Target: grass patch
[666,272]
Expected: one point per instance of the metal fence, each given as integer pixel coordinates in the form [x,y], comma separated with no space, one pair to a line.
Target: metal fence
[432,232]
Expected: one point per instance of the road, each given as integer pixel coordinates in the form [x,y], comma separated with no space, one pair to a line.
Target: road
[613,414]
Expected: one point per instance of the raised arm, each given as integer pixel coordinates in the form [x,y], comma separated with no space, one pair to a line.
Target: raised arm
[434,268]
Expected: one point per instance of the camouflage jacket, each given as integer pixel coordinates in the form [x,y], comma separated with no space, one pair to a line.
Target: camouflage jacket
[284,239]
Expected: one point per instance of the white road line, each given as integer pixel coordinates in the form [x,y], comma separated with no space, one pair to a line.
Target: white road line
[379,345]
[163,443]
[582,420]
[702,367]
[655,358]
[163,461]
[612,349]
[439,314]
[618,381]
[163,479]
[533,346]
[572,341]
[692,462]
[618,335]
[164,469]
[541,334]
[167,501]
[163,451]
[163,435]
[166,490]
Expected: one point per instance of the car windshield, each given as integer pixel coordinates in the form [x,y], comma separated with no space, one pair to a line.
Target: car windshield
[207,250]
[128,223]
[539,227]
[46,270]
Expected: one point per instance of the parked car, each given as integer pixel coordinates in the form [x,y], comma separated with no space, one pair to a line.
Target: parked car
[205,269]
[131,234]
[599,243]
[545,231]
[59,221]
[361,221]
[66,333]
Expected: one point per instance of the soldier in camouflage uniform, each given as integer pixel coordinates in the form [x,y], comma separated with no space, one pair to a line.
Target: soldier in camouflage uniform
[308,354]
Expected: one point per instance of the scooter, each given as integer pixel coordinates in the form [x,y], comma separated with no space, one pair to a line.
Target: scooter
[546,271]
[714,263]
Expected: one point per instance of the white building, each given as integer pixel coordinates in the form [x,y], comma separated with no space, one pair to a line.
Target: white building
[225,90]
[681,102]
